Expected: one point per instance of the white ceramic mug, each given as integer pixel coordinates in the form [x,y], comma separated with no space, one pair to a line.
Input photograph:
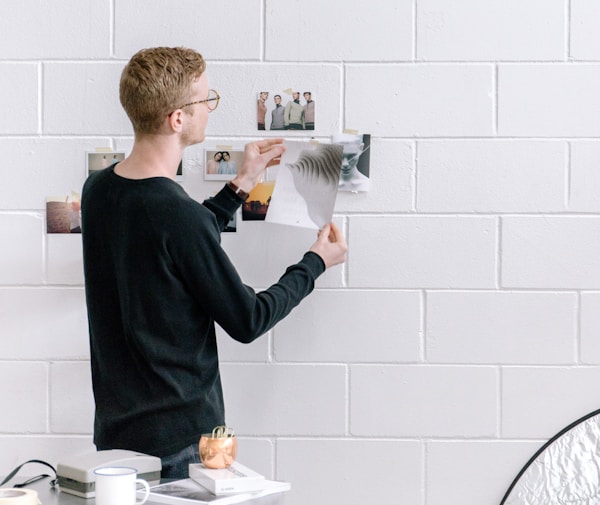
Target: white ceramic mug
[117,485]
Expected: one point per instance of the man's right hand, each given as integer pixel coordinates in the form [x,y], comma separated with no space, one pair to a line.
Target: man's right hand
[258,156]
[331,245]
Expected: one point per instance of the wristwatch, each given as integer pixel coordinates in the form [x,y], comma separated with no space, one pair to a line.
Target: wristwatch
[237,190]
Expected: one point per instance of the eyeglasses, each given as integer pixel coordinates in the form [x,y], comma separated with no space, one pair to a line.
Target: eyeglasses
[213,96]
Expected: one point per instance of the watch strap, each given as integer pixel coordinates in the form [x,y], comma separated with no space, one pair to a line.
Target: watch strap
[237,190]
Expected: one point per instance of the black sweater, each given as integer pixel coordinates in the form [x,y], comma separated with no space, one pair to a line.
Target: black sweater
[156,280]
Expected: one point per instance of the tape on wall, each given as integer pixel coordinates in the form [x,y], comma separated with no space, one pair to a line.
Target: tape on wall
[14,496]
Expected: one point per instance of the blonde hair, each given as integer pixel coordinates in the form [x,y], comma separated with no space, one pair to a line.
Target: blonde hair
[155,82]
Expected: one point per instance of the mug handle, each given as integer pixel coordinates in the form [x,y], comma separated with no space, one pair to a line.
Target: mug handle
[147,489]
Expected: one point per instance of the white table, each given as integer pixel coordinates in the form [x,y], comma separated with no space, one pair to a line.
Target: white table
[50,496]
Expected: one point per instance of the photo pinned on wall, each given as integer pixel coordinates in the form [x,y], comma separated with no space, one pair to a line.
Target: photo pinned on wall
[307,185]
[288,109]
[63,213]
[100,159]
[256,206]
[221,163]
[355,173]
[231,226]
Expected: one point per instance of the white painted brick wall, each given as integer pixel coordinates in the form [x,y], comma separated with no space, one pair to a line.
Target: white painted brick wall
[43,323]
[64,259]
[45,167]
[537,402]
[299,29]
[24,380]
[21,260]
[548,100]
[585,34]
[220,30]
[501,327]
[488,465]
[41,30]
[17,449]
[286,399]
[472,30]
[77,100]
[423,401]
[422,252]
[590,327]
[302,461]
[352,326]
[71,400]
[19,103]
[551,252]
[405,100]
[491,176]
[463,330]
[585,177]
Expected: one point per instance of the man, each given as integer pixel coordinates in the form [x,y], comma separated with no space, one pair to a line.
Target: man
[293,117]
[262,109]
[277,122]
[309,111]
[353,159]
[156,277]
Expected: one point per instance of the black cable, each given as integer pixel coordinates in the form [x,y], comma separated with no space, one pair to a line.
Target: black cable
[32,479]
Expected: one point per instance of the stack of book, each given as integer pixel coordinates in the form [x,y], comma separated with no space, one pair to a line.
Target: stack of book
[235,484]
[236,478]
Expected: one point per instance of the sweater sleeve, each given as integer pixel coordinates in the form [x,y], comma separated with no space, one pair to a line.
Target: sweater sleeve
[223,205]
[218,289]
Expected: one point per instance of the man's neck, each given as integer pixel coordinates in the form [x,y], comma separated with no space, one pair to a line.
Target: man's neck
[151,156]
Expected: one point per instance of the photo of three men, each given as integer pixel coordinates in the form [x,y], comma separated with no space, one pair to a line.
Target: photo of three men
[297,113]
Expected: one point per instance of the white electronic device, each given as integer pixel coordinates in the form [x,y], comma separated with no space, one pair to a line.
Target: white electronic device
[76,473]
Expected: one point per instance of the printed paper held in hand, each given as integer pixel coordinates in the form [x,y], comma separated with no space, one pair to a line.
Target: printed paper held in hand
[306,185]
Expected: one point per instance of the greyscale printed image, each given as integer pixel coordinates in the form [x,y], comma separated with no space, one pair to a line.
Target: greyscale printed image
[306,185]
[355,163]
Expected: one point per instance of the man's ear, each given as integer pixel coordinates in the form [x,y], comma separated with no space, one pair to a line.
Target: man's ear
[175,120]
